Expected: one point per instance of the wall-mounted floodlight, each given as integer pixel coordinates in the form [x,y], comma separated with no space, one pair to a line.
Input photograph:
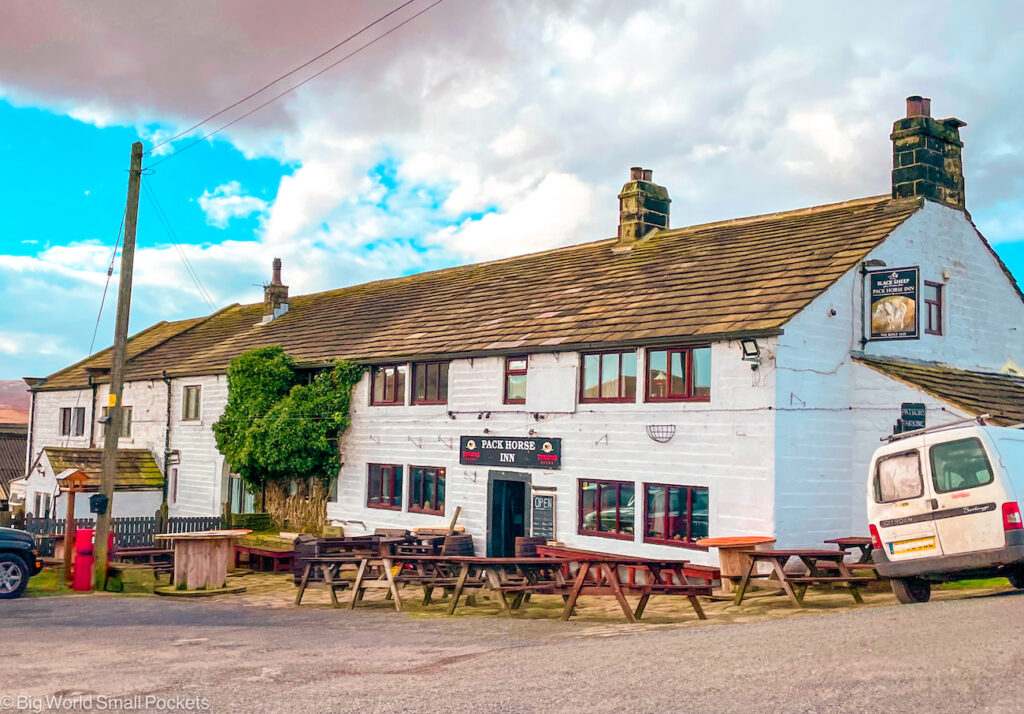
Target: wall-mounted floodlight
[873,263]
[751,351]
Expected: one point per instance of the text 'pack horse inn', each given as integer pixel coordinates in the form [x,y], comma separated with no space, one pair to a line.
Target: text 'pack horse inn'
[633,394]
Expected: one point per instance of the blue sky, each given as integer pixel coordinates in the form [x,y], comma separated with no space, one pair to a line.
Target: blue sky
[439,146]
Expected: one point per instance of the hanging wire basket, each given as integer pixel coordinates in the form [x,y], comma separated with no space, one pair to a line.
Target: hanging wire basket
[662,433]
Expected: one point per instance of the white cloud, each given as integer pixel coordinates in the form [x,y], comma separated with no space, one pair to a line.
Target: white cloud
[228,201]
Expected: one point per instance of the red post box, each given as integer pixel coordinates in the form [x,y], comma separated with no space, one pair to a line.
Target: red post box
[81,578]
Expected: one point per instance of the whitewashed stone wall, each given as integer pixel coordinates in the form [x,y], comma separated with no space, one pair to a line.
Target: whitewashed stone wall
[725,444]
[828,424]
[201,470]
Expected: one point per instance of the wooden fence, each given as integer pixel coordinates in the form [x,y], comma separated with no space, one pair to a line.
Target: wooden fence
[132,532]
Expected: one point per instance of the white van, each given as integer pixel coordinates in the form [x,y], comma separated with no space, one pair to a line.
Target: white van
[943,504]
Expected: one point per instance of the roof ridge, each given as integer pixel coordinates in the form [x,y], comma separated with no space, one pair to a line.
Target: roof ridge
[94,355]
[914,362]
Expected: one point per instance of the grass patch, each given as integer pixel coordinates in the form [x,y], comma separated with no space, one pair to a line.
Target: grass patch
[970,584]
[48,582]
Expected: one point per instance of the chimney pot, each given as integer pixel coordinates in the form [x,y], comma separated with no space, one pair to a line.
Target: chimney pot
[918,106]
[647,174]
[636,174]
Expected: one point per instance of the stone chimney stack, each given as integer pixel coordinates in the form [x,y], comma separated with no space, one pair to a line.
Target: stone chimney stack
[275,295]
[926,155]
[643,207]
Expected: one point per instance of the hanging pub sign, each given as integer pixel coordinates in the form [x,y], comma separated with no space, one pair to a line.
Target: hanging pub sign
[894,303]
[533,452]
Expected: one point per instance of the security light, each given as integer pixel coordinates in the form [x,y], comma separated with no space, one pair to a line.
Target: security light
[751,350]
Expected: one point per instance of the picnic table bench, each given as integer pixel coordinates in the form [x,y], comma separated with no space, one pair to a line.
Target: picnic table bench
[161,559]
[278,560]
[820,564]
[330,569]
[611,576]
[850,544]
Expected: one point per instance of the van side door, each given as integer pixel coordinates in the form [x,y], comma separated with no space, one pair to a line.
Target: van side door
[968,496]
[903,507]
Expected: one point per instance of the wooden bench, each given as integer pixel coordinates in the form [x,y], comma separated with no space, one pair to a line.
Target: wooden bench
[279,560]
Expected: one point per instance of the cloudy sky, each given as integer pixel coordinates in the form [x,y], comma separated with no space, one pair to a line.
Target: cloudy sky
[482,128]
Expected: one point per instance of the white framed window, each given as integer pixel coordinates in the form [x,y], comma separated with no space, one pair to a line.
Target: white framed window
[191,400]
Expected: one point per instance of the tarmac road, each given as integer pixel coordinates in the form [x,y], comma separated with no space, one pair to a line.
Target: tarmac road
[952,656]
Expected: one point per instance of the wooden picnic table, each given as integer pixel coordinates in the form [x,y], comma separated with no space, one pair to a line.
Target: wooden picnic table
[330,566]
[852,543]
[518,577]
[821,566]
[610,576]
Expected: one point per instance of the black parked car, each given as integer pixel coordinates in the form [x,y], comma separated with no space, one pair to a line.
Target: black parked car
[19,561]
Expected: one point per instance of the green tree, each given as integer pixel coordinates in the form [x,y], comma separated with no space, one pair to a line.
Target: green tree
[275,428]
[257,381]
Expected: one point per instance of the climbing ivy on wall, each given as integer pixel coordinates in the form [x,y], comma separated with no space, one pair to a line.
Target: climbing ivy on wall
[276,428]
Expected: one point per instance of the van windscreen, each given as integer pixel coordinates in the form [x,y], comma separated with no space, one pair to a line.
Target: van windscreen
[961,464]
[898,477]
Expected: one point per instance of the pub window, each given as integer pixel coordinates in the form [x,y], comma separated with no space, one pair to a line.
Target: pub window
[65,421]
[675,515]
[384,486]
[388,384]
[430,383]
[679,374]
[79,421]
[933,307]
[190,403]
[608,376]
[515,380]
[126,421]
[607,508]
[426,490]
[173,486]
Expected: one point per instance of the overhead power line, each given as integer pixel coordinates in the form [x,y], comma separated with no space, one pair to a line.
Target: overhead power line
[147,189]
[294,87]
[283,76]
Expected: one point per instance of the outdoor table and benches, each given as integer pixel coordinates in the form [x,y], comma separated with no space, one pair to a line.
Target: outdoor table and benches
[821,566]
[611,575]
[278,560]
[161,559]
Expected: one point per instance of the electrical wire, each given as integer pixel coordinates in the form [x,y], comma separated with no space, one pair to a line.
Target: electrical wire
[283,76]
[293,88]
[158,210]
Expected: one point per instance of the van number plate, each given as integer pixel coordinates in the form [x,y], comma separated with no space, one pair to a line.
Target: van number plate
[912,545]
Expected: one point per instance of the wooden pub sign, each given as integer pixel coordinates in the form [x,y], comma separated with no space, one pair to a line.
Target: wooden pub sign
[894,304]
[534,452]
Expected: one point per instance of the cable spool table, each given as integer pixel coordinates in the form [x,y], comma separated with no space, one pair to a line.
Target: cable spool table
[201,558]
[732,561]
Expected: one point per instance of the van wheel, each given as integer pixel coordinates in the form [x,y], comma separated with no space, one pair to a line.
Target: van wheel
[1016,578]
[13,576]
[908,590]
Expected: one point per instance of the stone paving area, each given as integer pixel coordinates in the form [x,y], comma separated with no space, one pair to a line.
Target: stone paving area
[278,591]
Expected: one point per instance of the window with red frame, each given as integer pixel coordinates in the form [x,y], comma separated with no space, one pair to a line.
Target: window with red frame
[515,380]
[388,384]
[675,515]
[607,508]
[426,490]
[384,486]
[933,308]
[678,374]
[608,376]
[430,383]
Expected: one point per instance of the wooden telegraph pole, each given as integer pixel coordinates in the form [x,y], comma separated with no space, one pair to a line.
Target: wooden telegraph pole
[113,427]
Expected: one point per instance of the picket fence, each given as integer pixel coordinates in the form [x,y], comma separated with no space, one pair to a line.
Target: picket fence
[133,532]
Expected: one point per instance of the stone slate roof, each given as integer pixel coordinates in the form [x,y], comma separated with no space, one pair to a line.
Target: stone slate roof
[692,284]
[1001,395]
[136,468]
[13,446]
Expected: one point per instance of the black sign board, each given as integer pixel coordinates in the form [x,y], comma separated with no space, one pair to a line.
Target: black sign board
[894,304]
[912,416]
[531,452]
[544,515]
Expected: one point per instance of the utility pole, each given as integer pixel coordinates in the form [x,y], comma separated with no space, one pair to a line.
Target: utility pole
[113,427]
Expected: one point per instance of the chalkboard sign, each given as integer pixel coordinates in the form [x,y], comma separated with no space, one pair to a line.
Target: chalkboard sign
[544,515]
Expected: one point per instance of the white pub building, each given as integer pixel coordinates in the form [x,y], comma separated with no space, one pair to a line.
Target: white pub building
[632,394]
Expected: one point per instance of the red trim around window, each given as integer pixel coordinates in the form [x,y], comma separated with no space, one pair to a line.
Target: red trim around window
[933,327]
[509,372]
[624,394]
[619,505]
[431,490]
[687,395]
[690,536]
[435,383]
[384,473]
[393,387]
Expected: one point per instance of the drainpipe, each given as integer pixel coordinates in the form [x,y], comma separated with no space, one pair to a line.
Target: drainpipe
[31,432]
[92,415]
[167,445]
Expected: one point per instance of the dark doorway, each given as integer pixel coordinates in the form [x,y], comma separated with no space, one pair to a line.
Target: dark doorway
[506,512]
